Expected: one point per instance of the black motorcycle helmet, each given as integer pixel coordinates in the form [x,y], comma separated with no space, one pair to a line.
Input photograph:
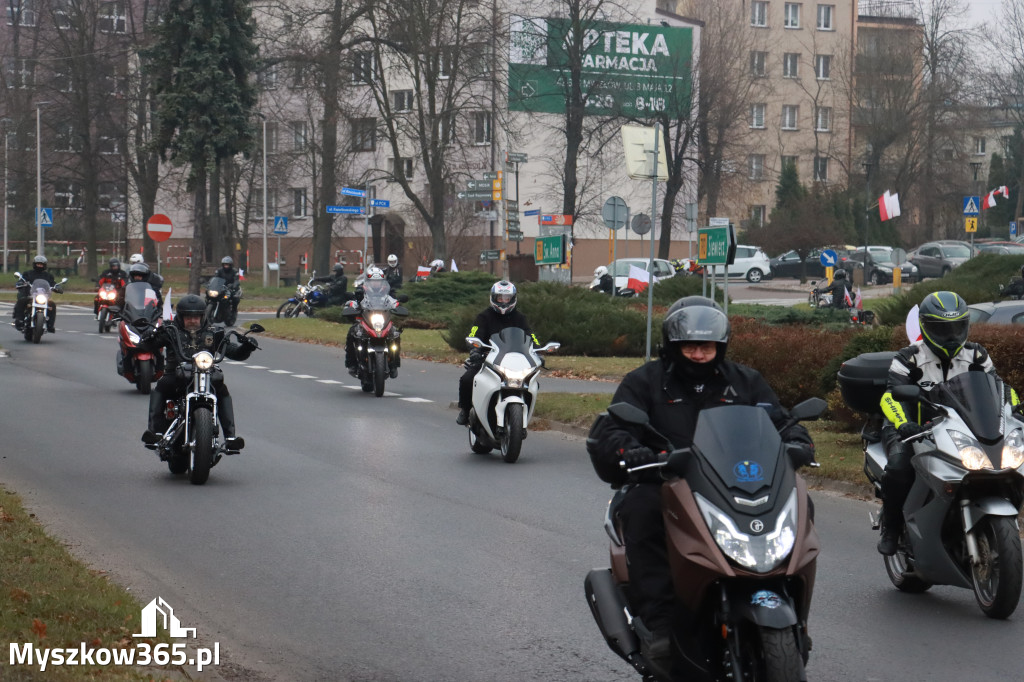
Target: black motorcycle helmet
[192,307]
[115,264]
[694,318]
[339,269]
[840,274]
[945,321]
[39,263]
[227,262]
[138,272]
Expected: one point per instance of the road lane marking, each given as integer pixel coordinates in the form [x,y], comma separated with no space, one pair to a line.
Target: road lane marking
[304,376]
[255,367]
[327,381]
[416,400]
[279,371]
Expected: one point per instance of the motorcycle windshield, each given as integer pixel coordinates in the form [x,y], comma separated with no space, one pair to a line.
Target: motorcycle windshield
[40,287]
[376,295]
[513,340]
[978,399]
[139,301]
[216,284]
[741,444]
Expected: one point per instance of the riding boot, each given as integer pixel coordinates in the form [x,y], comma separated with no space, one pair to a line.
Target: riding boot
[895,488]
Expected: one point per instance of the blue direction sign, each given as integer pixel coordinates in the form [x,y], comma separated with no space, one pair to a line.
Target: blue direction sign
[380,203]
[281,224]
[972,205]
[45,217]
[535,211]
[344,209]
[352,192]
[829,258]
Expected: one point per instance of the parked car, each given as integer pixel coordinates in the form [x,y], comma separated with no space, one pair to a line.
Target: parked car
[751,263]
[619,269]
[938,258]
[1001,248]
[788,264]
[880,265]
[998,312]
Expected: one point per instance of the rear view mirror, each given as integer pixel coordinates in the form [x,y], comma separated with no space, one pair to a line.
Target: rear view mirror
[474,342]
[810,409]
[17,274]
[256,328]
[403,298]
[908,393]
[64,280]
[630,414]
[400,311]
[550,347]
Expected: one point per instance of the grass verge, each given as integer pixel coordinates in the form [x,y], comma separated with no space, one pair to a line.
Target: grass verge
[50,599]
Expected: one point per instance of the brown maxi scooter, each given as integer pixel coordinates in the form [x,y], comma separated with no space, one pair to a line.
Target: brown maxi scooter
[741,545]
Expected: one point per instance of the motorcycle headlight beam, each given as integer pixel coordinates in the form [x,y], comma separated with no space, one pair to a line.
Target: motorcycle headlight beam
[213,293]
[1013,450]
[759,553]
[971,453]
[203,360]
[377,321]
[40,299]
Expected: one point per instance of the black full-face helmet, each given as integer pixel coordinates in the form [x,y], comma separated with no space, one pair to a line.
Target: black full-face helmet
[339,269]
[138,272]
[945,322]
[115,264]
[190,312]
[840,274]
[39,263]
[694,319]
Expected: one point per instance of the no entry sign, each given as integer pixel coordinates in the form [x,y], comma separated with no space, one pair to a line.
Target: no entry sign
[159,228]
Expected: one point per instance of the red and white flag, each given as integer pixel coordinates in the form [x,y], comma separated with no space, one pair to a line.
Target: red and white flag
[846,298]
[454,267]
[638,279]
[422,271]
[990,200]
[1004,191]
[858,302]
[889,206]
[168,313]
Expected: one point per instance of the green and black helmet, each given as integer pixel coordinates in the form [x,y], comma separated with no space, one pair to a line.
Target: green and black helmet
[945,322]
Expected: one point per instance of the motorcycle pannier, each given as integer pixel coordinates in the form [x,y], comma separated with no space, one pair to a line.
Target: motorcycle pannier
[862,381]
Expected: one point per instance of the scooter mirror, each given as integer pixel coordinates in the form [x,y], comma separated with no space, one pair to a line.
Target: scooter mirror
[631,414]
[907,393]
[474,342]
[256,328]
[403,298]
[64,280]
[17,274]
[400,311]
[550,347]
[812,408]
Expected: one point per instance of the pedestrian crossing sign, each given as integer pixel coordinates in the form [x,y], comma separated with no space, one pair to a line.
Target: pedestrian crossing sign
[45,217]
[972,205]
[281,224]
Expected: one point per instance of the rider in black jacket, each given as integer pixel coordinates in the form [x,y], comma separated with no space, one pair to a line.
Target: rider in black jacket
[337,285]
[839,289]
[38,271]
[691,375]
[188,334]
[500,315]
[393,273]
[116,276]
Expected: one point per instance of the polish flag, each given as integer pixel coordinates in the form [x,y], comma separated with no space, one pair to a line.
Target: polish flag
[638,279]
[1004,191]
[858,302]
[422,271]
[454,267]
[889,206]
[847,299]
[990,200]
[168,309]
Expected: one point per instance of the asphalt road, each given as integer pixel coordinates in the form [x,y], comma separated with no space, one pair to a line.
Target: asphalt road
[357,538]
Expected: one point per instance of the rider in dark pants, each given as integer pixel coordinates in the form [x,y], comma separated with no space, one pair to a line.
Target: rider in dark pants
[184,337]
[38,271]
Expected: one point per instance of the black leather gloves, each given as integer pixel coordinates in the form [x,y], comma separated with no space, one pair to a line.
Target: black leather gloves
[909,430]
[637,457]
[800,454]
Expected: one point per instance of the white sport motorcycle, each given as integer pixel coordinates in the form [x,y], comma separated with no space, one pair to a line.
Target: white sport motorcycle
[505,392]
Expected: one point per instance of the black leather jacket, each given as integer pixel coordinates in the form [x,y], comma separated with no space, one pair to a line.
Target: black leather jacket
[181,346]
[838,289]
[490,322]
[673,405]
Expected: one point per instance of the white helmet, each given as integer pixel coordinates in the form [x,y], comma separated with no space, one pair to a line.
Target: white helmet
[136,258]
[503,297]
[600,271]
[373,272]
[392,260]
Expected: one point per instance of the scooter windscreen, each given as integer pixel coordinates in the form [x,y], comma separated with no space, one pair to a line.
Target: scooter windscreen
[978,399]
[513,340]
[376,295]
[140,301]
[741,444]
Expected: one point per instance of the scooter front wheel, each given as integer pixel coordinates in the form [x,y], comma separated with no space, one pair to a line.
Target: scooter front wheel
[144,376]
[202,454]
[997,577]
[780,655]
[512,440]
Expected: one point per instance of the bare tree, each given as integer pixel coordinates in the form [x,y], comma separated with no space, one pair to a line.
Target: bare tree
[1007,85]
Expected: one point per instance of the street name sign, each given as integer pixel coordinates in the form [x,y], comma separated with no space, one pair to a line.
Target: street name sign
[344,209]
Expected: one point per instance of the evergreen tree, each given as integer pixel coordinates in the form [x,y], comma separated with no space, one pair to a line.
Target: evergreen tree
[789,192]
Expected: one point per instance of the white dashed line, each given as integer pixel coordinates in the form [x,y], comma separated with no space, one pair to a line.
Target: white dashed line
[304,376]
[327,381]
[279,371]
[255,367]
[416,400]
[349,386]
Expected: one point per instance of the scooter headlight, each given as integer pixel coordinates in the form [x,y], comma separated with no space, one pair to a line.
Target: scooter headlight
[760,553]
[40,299]
[971,453]
[203,360]
[1013,450]
[213,293]
[377,321]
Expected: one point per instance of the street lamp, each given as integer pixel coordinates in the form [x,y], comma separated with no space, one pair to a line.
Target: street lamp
[7,136]
[867,164]
[266,267]
[39,183]
[975,166]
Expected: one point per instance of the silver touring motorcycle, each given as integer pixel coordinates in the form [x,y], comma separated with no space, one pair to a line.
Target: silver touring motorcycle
[961,514]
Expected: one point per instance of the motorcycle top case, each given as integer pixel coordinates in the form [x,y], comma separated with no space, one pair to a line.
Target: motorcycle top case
[862,381]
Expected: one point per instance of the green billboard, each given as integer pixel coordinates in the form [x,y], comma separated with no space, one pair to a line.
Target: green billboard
[634,70]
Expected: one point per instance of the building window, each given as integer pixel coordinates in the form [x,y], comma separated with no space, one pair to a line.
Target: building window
[62,80]
[757,63]
[67,194]
[65,139]
[267,78]
[401,100]
[300,135]
[791,65]
[757,115]
[403,168]
[362,67]
[108,144]
[1007,142]
[481,127]
[18,73]
[272,133]
[257,201]
[445,58]
[364,134]
[789,161]
[757,215]
[825,17]
[111,195]
[821,168]
[758,13]
[790,114]
[449,129]
[792,16]
[823,67]
[112,17]
[299,202]
[823,119]
[61,14]
[755,166]
[22,13]
[979,145]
